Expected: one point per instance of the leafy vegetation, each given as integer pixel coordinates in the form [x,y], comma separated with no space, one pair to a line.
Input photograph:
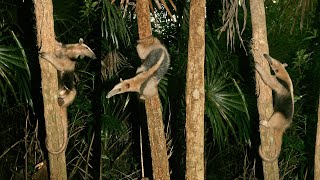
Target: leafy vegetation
[231,115]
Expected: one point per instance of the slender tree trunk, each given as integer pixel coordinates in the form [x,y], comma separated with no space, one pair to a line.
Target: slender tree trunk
[317,150]
[160,163]
[265,107]
[53,114]
[195,95]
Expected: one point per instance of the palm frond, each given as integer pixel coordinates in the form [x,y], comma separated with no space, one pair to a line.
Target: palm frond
[14,70]
[292,16]
[115,121]
[162,87]
[112,63]
[113,26]
[24,75]
[225,104]
[116,143]
[230,20]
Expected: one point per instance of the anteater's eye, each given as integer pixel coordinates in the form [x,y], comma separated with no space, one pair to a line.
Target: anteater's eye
[128,85]
[119,89]
[276,70]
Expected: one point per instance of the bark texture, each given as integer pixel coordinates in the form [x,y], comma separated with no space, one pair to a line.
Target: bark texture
[160,163]
[317,150]
[264,93]
[195,95]
[53,114]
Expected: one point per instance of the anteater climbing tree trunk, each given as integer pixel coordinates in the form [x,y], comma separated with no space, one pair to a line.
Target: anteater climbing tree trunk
[160,164]
[195,96]
[264,93]
[53,114]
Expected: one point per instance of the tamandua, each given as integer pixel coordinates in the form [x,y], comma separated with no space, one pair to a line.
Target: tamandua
[150,55]
[63,60]
[156,62]
[283,102]
[144,83]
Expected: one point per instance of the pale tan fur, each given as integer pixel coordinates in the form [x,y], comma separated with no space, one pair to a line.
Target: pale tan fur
[134,84]
[65,99]
[278,122]
[61,59]
[61,64]
[73,51]
[151,89]
[144,51]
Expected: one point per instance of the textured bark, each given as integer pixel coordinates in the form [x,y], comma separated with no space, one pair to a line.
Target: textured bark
[264,93]
[143,16]
[53,114]
[195,95]
[160,164]
[317,150]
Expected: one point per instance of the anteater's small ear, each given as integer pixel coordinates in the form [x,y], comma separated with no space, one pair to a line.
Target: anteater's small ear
[121,80]
[80,41]
[285,65]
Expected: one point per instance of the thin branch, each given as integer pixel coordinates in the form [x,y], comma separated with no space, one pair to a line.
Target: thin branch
[141,155]
[6,151]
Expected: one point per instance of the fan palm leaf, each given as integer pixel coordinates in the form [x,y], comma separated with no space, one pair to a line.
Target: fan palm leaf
[113,25]
[225,104]
[14,70]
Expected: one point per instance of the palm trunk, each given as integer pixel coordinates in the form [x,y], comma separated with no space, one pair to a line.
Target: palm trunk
[160,163]
[265,108]
[195,95]
[53,114]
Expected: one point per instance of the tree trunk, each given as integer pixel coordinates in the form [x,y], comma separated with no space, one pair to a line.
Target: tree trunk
[317,150]
[264,93]
[195,95]
[53,114]
[160,163]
